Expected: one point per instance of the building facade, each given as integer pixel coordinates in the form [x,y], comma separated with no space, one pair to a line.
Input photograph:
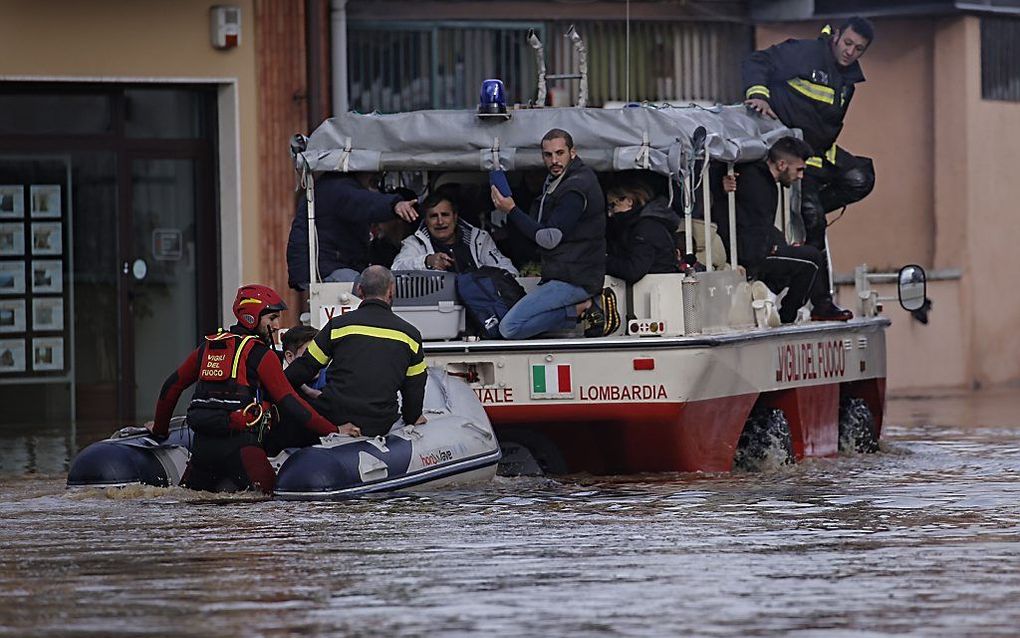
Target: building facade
[144,171]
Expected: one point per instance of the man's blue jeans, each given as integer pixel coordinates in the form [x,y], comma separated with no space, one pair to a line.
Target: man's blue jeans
[551,306]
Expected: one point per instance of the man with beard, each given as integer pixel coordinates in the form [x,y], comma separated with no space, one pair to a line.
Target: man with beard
[763,249]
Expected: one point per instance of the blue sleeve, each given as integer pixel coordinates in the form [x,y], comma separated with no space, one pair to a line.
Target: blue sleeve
[346,199]
[560,221]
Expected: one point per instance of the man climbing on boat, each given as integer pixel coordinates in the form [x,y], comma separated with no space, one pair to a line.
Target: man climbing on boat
[808,84]
[374,355]
[240,383]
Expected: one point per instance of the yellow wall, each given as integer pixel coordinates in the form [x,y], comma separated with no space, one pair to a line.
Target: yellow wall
[141,39]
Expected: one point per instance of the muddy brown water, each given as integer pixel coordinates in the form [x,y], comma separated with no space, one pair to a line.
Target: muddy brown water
[921,539]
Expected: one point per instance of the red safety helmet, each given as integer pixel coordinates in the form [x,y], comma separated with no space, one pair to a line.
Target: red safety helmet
[253,301]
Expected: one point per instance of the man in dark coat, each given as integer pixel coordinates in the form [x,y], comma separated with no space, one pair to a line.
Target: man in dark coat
[641,229]
[371,354]
[808,84]
[345,207]
[762,248]
[568,224]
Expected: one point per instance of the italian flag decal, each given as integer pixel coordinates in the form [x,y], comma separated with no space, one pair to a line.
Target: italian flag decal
[551,380]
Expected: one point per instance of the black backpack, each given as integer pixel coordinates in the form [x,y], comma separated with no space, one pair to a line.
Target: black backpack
[488,294]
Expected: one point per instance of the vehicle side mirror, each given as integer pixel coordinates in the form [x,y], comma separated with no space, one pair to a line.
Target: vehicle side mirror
[912,286]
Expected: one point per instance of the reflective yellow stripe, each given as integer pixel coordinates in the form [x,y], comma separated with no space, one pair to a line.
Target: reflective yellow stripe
[818,92]
[415,370]
[248,301]
[378,333]
[758,89]
[815,161]
[317,353]
[237,356]
[831,155]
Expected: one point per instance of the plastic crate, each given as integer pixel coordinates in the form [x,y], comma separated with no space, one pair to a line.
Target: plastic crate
[428,301]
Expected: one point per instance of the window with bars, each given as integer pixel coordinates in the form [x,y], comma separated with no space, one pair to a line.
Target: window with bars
[407,66]
[1000,59]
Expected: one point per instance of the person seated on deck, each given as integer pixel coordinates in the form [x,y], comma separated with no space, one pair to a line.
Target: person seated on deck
[568,224]
[640,234]
[345,205]
[371,354]
[446,242]
[761,247]
[295,341]
[239,382]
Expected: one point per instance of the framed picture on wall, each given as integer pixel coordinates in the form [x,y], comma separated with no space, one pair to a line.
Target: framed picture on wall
[12,315]
[45,200]
[47,313]
[12,355]
[12,277]
[12,202]
[12,239]
[47,275]
[48,353]
[47,238]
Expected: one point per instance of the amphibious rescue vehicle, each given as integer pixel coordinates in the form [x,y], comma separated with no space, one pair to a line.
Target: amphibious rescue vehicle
[695,379]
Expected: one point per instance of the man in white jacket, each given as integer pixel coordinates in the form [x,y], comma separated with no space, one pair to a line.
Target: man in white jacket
[444,242]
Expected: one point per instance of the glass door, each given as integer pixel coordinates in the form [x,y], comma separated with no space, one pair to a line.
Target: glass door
[160,272]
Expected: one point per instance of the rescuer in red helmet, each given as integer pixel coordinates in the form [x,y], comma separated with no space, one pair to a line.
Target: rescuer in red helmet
[240,385]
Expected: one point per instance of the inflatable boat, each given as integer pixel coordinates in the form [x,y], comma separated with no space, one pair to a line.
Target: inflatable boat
[456,446]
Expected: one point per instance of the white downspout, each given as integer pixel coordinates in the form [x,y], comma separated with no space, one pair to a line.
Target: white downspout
[338,55]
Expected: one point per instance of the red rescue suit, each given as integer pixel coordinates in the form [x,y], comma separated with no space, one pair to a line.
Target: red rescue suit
[239,380]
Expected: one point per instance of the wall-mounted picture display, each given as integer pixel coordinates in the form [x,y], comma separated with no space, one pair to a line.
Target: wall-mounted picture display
[45,200]
[12,355]
[12,277]
[12,202]
[47,275]
[47,238]
[12,239]
[47,313]
[48,353]
[12,315]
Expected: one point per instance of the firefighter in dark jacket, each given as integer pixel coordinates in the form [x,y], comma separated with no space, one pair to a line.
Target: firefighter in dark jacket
[640,236]
[762,248]
[240,383]
[371,353]
[346,205]
[808,84]
[568,224]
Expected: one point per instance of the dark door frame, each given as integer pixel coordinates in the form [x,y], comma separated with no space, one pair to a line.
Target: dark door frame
[207,228]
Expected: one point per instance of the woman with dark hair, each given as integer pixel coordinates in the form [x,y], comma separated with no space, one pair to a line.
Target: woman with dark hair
[640,232]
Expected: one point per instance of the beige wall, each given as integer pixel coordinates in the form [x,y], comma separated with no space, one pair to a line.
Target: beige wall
[945,196]
[149,40]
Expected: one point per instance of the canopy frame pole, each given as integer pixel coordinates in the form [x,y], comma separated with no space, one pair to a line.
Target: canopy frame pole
[731,204]
[706,204]
[786,212]
[308,182]
[582,65]
[688,195]
[540,61]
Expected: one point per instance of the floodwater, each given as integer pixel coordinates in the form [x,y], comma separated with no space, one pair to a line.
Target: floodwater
[921,539]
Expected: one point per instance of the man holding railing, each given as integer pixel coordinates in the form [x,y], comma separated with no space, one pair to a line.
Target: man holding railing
[808,84]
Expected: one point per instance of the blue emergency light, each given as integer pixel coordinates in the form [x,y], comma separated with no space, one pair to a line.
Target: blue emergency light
[492,99]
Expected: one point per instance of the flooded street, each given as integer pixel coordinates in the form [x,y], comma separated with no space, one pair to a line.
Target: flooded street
[920,539]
